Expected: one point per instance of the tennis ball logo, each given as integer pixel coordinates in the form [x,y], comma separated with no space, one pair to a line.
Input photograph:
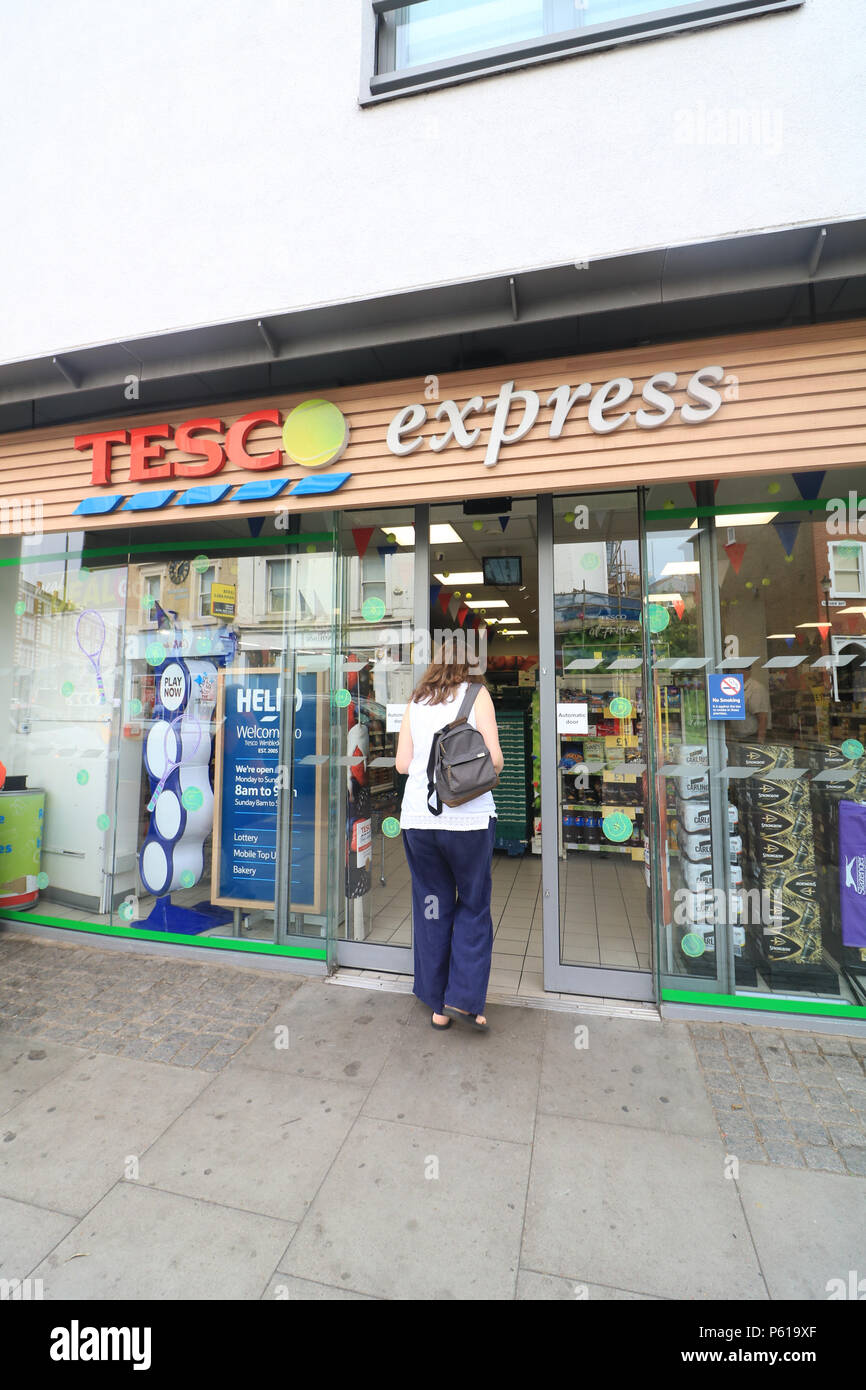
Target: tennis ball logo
[315,434]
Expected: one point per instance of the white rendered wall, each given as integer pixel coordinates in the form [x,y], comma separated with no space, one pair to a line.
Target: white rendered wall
[184,162]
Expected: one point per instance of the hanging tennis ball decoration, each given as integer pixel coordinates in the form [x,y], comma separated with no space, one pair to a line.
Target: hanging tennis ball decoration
[765,582]
[478,526]
[468,595]
[669,504]
[569,517]
[457,593]
[774,488]
[749,584]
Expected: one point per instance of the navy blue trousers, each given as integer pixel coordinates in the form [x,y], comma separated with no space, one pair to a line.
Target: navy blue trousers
[451,921]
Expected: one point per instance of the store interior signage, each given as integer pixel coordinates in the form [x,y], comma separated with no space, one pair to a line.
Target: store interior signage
[605,413]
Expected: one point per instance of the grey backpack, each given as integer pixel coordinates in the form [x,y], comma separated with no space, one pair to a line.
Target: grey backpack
[460,766]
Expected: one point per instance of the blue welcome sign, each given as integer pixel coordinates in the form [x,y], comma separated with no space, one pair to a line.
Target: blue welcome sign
[247,791]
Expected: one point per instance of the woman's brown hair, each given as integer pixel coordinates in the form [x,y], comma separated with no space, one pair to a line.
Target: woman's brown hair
[442,678]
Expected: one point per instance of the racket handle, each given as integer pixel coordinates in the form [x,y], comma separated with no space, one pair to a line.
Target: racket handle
[151,805]
[101,688]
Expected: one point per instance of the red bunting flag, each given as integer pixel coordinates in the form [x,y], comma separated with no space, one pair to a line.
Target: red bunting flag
[735,550]
[824,628]
[361,536]
[444,600]
[679,608]
[461,614]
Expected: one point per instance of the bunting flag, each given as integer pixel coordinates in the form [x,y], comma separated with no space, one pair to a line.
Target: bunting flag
[163,619]
[679,608]
[435,590]
[444,600]
[789,641]
[824,628]
[386,549]
[787,533]
[809,484]
[461,614]
[693,488]
[361,536]
[255,524]
[735,550]
[503,521]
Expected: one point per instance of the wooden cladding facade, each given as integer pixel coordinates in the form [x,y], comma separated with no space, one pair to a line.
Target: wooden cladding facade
[792,400]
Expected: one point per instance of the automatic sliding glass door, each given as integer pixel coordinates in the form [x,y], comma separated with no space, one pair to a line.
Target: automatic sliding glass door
[594,775]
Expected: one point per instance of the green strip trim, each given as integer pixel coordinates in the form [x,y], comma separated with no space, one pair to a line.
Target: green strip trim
[308,538]
[221,943]
[764,1004]
[738,508]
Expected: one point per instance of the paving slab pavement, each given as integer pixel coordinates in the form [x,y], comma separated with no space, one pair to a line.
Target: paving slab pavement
[321,1141]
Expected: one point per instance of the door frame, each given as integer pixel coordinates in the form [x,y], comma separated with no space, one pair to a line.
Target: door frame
[601,981]
[369,955]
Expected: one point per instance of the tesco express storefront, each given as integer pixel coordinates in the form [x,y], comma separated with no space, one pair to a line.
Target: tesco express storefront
[214,620]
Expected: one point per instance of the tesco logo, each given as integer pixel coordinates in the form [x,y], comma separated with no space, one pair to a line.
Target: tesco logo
[315,434]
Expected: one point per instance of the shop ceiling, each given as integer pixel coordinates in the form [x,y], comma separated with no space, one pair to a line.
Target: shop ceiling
[773,279]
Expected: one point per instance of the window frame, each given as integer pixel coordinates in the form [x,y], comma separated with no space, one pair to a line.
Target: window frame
[843,575]
[377,87]
[271,561]
[200,616]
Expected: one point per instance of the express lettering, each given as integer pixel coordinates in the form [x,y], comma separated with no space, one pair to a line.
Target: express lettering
[516,411]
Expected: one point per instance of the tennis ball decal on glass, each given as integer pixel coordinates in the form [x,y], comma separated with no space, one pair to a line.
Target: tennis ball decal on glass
[692,944]
[373,609]
[659,617]
[617,827]
[315,434]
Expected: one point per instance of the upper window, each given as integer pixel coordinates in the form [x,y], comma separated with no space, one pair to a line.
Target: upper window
[430,42]
[206,582]
[847,573]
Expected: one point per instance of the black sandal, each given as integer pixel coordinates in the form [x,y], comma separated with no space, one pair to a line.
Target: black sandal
[433,1024]
[471,1019]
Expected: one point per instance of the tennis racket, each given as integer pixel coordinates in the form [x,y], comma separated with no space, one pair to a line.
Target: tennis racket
[90,636]
[178,726]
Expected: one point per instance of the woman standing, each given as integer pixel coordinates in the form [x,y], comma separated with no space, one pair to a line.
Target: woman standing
[450,855]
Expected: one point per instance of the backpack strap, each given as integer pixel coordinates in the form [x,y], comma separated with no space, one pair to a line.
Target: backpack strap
[435,810]
[468,701]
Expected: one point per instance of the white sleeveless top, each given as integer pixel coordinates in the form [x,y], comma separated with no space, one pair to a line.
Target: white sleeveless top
[424,721]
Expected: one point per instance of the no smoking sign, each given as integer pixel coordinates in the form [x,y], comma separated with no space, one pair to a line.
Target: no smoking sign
[727,697]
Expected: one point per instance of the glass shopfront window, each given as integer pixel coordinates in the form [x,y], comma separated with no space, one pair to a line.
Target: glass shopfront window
[760,731]
[168,741]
